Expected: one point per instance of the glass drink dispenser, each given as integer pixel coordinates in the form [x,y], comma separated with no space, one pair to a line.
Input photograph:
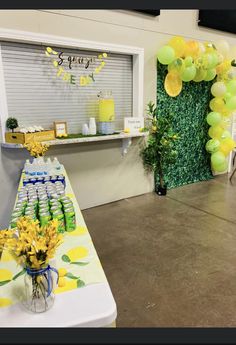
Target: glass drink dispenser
[106,115]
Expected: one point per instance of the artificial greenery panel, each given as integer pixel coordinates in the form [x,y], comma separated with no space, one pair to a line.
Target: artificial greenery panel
[189,110]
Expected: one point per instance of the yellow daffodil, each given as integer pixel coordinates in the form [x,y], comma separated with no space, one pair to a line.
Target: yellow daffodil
[32,245]
[36,149]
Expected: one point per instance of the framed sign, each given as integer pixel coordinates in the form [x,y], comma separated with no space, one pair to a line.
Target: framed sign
[60,129]
[133,124]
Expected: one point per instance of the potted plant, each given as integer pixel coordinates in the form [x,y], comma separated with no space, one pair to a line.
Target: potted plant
[11,123]
[160,148]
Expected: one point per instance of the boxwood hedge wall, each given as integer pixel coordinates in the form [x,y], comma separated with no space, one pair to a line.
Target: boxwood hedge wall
[189,110]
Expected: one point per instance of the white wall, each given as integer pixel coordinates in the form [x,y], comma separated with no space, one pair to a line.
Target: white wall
[98,172]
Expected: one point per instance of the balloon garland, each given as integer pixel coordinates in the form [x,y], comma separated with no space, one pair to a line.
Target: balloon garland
[195,61]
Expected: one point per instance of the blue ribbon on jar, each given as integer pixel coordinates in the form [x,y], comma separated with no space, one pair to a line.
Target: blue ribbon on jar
[47,270]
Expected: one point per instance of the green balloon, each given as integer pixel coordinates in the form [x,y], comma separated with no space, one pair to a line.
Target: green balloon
[188,73]
[227,96]
[166,55]
[211,73]
[214,118]
[231,87]
[212,145]
[231,103]
[212,60]
[226,134]
[200,75]
[175,65]
[188,61]
[217,158]
[220,167]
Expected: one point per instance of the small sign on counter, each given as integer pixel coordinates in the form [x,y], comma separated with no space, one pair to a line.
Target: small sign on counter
[133,124]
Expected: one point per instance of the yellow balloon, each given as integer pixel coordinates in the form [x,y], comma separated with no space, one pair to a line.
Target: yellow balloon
[217,104]
[178,44]
[173,84]
[226,145]
[192,49]
[215,132]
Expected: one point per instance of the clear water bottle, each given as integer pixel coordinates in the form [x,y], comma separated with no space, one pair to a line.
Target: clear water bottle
[27,167]
[48,166]
[56,166]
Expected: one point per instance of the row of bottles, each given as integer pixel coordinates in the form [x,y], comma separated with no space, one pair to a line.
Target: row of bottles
[42,167]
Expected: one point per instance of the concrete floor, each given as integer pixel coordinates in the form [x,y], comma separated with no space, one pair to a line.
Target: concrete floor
[171,261]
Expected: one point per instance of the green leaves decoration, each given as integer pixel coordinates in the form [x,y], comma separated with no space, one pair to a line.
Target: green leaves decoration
[71,276]
[80,283]
[3,282]
[65,258]
[79,263]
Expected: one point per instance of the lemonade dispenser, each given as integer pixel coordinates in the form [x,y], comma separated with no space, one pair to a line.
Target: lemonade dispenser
[106,113]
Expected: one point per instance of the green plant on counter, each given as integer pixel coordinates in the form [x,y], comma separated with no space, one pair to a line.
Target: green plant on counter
[160,147]
[11,123]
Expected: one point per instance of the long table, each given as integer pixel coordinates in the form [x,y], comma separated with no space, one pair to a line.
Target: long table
[89,304]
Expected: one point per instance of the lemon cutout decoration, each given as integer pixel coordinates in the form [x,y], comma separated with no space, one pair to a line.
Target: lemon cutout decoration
[5,275]
[66,285]
[5,302]
[173,84]
[80,230]
[77,253]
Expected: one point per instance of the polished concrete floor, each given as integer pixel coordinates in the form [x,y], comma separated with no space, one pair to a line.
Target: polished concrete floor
[171,261]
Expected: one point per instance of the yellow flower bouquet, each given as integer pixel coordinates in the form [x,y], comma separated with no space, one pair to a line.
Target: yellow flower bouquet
[36,149]
[33,247]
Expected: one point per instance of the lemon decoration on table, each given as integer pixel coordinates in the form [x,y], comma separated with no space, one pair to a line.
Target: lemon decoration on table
[126,130]
[65,285]
[73,255]
[61,282]
[62,272]
[77,253]
[5,302]
[173,84]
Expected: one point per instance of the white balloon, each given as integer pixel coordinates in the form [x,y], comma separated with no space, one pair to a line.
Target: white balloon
[223,47]
[202,47]
[232,73]
[218,89]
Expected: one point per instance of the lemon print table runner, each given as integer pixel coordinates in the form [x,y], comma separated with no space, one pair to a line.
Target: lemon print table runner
[76,260]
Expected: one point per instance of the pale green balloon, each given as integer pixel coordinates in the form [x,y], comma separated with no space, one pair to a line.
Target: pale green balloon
[226,134]
[166,55]
[220,167]
[211,73]
[217,158]
[218,89]
[214,118]
[227,96]
[188,61]
[188,73]
[212,60]
[200,75]
[231,103]
[231,87]
[212,145]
